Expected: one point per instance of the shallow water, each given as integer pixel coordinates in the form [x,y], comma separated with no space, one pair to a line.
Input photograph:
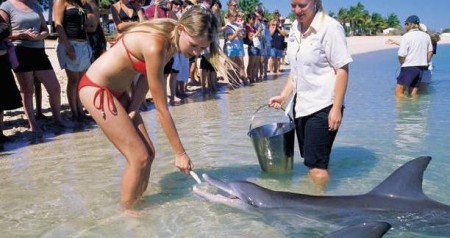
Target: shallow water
[68,186]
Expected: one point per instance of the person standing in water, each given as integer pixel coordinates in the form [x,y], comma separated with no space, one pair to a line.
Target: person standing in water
[414,55]
[145,48]
[319,58]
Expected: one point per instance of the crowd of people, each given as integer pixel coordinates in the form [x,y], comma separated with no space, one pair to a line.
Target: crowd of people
[81,41]
[110,86]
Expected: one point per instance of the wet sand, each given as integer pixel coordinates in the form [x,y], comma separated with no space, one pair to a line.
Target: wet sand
[16,125]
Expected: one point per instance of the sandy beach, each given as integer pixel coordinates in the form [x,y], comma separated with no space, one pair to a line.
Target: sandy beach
[17,126]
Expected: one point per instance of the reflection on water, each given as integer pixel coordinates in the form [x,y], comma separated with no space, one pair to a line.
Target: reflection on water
[69,185]
[411,123]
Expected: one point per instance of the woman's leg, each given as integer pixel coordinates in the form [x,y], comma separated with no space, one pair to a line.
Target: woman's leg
[51,84]
[172,83]
[203,80]
[237,71]
[254,68]
[80,108]
[242,74]
[26,84]
[72,93]
[140,127]
[38,97]
[250,68]
[193,72]
[130,138]
[276,65]
[212,77]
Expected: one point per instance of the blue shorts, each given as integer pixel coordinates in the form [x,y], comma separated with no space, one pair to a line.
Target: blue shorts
[253,51]
[410,76]
[265,51]
[276,53]
[83,53]
[314,138]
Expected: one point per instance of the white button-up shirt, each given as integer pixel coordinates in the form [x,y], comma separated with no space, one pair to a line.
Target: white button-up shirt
[314,58]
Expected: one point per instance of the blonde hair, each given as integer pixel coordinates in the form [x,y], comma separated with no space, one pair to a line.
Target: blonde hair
[197,22]
[231,13]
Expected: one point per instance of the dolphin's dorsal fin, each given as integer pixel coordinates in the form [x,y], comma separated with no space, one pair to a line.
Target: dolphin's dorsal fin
[406,181]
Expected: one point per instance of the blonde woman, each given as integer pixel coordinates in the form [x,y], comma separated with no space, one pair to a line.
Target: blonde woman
[145,48]
[319,59]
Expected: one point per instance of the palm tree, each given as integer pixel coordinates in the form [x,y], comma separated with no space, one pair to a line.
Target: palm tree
[356,17]
[378,22]
[392,21]
[343,18]
[357,20]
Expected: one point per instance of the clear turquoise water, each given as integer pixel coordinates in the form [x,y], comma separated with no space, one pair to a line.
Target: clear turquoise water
[69,185]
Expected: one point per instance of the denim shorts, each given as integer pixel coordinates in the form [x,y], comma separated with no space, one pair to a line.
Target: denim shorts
[234,52]
[83,53]
[276,53]
[253,51]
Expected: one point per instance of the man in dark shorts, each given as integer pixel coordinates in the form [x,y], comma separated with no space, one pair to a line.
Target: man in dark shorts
[414,54]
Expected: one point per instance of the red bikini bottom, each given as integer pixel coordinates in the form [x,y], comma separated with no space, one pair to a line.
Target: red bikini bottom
[85,81]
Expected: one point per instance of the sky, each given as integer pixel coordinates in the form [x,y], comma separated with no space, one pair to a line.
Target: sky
[435,14]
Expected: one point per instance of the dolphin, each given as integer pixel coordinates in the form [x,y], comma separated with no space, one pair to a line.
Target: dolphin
[365,230]
[400,196]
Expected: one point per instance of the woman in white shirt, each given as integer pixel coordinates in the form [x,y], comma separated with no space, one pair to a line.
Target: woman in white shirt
[319,58]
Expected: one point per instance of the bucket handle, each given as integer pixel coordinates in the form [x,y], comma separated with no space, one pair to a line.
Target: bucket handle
[266,105]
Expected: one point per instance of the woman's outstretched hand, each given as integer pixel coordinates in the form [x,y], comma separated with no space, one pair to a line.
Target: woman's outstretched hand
[184,163]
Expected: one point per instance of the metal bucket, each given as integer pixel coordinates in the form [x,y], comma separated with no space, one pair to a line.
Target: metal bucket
[274,145]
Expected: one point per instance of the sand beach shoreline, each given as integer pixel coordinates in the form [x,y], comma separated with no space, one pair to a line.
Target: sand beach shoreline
[16,125]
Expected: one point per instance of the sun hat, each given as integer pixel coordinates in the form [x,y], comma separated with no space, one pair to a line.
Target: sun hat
[413,19]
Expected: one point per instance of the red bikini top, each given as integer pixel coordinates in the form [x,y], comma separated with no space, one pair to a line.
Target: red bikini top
[138,64]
